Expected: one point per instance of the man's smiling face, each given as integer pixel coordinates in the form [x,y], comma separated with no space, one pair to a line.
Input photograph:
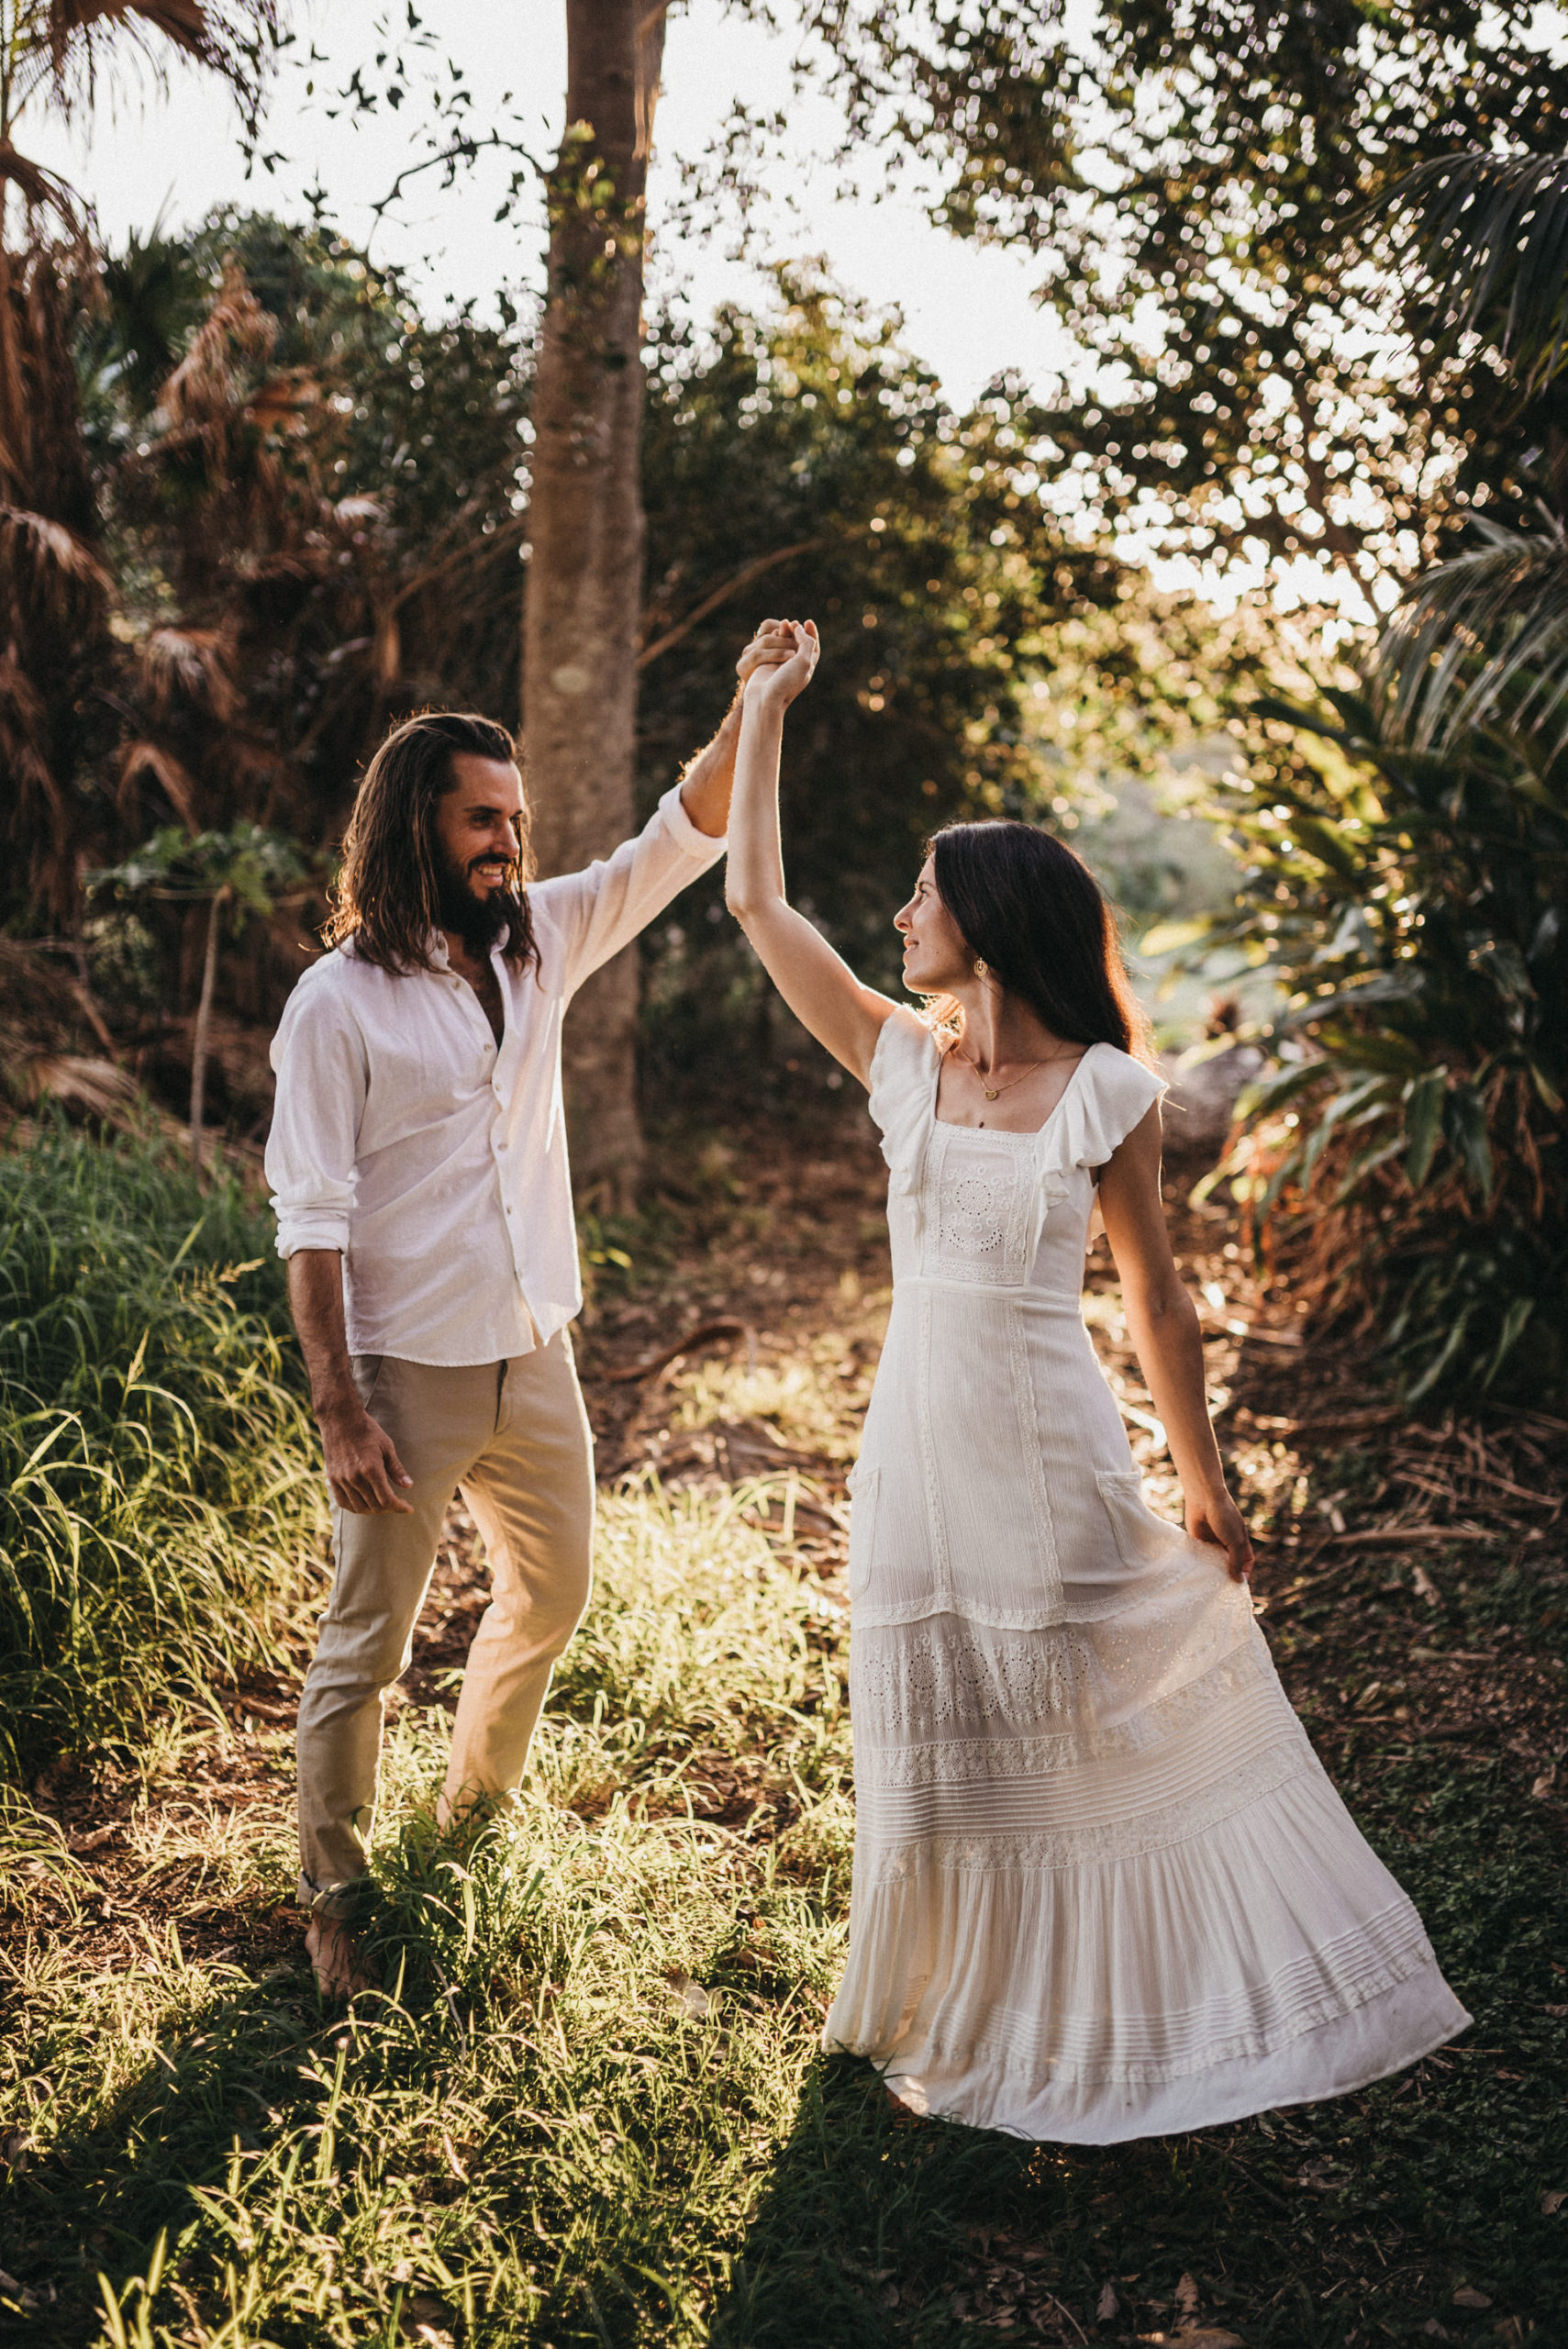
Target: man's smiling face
[478,840]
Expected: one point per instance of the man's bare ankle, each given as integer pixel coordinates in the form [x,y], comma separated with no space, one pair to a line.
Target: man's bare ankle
[334,1953]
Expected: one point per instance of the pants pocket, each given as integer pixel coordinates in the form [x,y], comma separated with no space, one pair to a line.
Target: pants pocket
[365,1371]
[1142,1539]
[865,1488]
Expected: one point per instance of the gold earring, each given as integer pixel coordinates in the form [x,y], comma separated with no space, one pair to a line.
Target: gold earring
[982,970]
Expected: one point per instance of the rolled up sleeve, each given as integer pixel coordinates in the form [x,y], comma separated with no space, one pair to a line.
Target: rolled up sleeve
[598,911]
[318,1057]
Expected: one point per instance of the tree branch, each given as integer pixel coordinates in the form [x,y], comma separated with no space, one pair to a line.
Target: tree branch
[742,578]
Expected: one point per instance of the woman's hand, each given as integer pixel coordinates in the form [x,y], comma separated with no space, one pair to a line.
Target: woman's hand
[772,645]
[786,669]
[1214,1518]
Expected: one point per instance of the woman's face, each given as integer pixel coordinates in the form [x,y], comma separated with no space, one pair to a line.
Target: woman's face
[936,957]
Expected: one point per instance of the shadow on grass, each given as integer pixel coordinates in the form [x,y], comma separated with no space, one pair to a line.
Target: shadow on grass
[1420,2210]
[213,2092]
[450,2155]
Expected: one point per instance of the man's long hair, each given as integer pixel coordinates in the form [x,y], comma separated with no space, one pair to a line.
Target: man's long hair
[386,896]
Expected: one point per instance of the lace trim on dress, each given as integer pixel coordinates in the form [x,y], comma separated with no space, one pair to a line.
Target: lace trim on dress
[964,1761]
[1021,1852]
[908,1686]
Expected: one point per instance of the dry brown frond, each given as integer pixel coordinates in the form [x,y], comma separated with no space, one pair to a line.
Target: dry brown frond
[142,759]
[282,402]
[230,37]
[41,189]
[53,547]
[188,667]
[35,794]
[184,22]
[96,1085]
[204,388]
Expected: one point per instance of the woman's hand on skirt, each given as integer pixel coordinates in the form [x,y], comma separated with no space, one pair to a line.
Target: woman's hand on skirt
[1216,1519]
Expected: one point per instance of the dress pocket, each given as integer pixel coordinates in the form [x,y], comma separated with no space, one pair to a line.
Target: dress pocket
[865,1488]
[1142,1539]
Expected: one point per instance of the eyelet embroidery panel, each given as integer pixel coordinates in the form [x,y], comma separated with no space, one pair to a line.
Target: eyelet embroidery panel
[983,1187]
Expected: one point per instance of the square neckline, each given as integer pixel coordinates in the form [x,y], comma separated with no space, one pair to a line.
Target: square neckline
[1005,1133]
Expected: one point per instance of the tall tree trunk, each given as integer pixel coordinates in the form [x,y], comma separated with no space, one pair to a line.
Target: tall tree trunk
[584,587]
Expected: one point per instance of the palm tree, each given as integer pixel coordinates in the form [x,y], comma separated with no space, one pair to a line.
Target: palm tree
[1482,641]
[57,55]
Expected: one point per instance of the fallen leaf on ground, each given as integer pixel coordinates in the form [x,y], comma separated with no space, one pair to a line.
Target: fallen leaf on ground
[1188,2296]
[1552,2200]
[1107,2305]
[1467,2296]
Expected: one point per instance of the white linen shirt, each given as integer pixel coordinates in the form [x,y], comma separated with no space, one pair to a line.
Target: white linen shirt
[434,1160]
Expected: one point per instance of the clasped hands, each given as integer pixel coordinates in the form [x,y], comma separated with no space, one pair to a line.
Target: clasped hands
[777,663]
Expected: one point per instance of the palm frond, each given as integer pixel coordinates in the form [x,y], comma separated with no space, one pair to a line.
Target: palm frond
[142,761]
[41,189]
[82,39]
[188,668]
[1489,249]
[1479,640]
[55,549]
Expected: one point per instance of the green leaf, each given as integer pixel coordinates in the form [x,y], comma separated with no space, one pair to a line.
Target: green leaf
[1169,937]
[1441,1362]
[1514,1321]
[1390,1056]
[1327,844]
[1266,1093]
[1464,1121]
[1546,1088]
[1424,1124]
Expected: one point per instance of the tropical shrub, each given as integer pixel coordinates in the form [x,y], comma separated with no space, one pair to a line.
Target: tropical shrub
[1412,1134]
[159,1499]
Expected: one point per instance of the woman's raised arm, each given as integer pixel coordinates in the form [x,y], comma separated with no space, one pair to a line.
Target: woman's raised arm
[818,985]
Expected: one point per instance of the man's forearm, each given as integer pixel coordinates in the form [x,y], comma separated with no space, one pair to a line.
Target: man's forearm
[316,1295]
[709,780]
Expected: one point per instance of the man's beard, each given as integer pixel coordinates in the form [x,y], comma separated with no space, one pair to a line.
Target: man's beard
[480,923]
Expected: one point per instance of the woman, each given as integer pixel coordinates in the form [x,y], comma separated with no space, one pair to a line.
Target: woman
[1103,1888]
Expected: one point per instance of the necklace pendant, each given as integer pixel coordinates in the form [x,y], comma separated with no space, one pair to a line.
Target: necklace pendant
[989,1094]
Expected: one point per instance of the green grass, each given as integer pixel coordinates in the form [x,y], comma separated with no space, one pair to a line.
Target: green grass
[588,2104]
[157,1499]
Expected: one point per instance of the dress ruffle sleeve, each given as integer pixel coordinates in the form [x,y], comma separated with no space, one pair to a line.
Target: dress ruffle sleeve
[903,1093]
[1109,1094]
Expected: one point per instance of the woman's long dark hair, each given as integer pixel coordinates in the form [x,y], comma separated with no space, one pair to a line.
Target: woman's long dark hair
[386,896]
[1034,912]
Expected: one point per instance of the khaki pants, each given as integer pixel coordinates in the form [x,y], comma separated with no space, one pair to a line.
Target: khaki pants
[515,1437]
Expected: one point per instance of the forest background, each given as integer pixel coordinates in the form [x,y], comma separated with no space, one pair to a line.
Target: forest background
[1259,598]
[261,505]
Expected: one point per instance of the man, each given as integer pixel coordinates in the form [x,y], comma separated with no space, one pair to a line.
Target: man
[417,1159]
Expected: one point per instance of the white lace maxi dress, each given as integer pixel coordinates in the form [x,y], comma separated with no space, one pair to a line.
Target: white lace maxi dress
[1103,1888]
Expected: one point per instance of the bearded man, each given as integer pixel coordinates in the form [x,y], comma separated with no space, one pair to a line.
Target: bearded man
[417,1159]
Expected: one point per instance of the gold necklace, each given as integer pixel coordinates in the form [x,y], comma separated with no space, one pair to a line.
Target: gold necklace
[993,1093]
